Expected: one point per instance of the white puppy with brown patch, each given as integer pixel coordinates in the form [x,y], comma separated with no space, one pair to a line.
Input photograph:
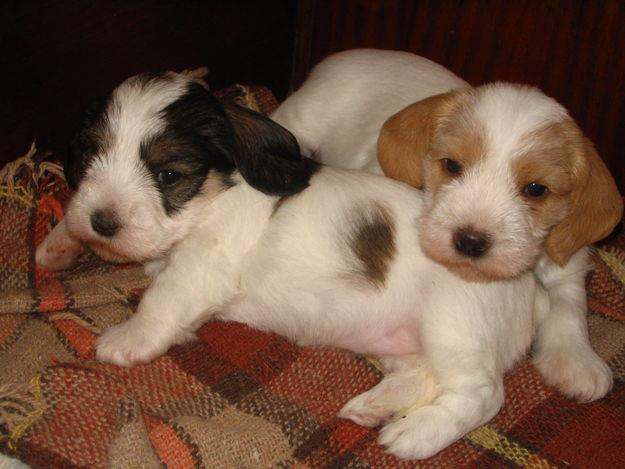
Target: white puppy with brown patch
[234,224]
[511,183]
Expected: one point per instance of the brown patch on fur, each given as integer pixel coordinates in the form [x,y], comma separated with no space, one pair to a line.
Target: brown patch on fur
[166,153]
[405,138]
[583,183]
[549,162]
[372,242]
[460,138]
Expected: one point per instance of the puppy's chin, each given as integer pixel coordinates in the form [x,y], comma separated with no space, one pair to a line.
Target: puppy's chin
[486,269]
[109,255]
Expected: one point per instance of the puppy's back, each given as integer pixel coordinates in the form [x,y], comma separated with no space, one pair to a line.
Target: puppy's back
[338,112]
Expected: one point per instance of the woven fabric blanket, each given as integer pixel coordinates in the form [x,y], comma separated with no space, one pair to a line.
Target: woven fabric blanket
[238,397]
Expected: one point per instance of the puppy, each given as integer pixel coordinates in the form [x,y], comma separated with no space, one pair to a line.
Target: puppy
[510,182]
[233,224]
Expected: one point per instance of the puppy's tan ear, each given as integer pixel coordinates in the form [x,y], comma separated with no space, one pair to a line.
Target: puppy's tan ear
[596,207]
[405,138]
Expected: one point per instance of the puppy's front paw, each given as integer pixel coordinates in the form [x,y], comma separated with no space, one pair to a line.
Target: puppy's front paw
[367,410]
[58,251]
[131,343]
[394,395]
[577,372]
[420,434]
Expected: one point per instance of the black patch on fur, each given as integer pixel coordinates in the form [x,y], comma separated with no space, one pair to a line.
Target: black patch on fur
[372,242]
[228,181]
[197,138]
[267,155]
[200,136]
[91,139]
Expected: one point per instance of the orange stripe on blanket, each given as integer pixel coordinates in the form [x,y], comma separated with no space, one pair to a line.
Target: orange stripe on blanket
[611,312]
[347,434]
[80,338]
[171,450]
[52,296]
[48,205]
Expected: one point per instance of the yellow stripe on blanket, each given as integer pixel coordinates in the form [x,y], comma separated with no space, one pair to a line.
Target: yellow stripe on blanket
[36,398]
[615,260]
[489,438]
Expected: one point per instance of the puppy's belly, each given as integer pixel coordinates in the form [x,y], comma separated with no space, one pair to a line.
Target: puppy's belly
[400,341]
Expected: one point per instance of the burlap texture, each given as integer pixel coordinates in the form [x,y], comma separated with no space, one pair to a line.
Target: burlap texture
[238,397]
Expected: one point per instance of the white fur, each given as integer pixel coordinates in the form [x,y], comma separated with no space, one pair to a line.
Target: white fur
[337,115]
[288,273]
[230,254]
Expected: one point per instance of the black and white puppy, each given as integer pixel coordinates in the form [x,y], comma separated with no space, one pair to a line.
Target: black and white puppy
[233,223]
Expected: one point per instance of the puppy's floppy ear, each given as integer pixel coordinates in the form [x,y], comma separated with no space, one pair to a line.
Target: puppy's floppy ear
[596,206]
[266,154]
[406,136]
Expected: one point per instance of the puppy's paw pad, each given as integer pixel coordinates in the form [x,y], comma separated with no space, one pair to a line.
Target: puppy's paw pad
[578,373]
[420,434]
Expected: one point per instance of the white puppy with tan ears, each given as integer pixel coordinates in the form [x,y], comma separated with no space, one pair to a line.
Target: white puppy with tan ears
[510,182]
[234,224]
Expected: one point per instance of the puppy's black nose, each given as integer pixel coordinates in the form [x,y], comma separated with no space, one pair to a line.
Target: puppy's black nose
[104,223]
[471,243]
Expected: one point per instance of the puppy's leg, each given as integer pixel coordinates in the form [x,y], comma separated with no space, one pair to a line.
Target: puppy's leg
[58,250]
[563,353]
[407,385]
[182,296]
[470,394]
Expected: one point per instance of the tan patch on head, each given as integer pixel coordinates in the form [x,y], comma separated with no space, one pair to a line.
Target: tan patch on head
[548,162]
[405,138]
[459,137]
[583,204]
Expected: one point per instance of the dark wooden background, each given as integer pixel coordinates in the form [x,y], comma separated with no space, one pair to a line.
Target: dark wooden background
[58,55]
[574,50]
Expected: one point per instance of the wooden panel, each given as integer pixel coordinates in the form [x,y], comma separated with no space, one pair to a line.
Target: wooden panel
[58,55]
[572,49]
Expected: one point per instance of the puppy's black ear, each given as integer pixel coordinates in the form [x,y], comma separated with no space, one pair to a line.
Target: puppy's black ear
[86,143]
[267,155]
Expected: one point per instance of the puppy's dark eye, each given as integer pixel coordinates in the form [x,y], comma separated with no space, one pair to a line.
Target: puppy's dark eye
[533,189]
[168,177]
[452,166]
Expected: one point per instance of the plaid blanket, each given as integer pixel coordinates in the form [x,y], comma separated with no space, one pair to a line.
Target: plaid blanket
[238,397]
